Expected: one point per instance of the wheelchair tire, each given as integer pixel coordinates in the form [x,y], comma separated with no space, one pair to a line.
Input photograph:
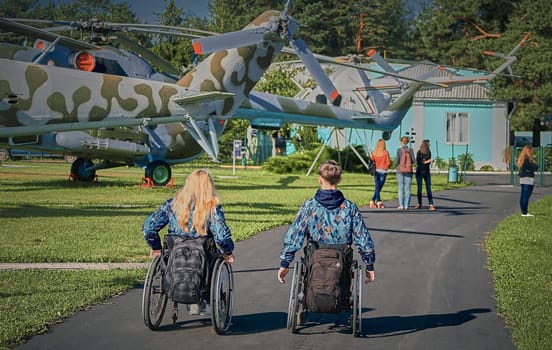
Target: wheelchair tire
[295,307]
[154,300]
[222,298]
[357,299]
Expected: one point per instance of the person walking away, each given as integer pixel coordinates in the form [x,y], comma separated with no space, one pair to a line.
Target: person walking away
[527,167]
[328,218]
[382,161]
[194,211]
[423,162]
[280,143]
[404,159]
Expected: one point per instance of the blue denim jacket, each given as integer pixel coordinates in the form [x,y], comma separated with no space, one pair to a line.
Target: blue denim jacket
[328,218]
[216,226]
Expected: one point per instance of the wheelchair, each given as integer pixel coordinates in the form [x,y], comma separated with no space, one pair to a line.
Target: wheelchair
[298,307]
[221,301]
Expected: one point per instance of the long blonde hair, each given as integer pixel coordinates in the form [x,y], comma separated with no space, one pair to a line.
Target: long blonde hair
[380,148]
[526,152]
[198,193]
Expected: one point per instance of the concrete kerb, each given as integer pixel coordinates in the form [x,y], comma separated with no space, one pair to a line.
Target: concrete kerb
[72,266]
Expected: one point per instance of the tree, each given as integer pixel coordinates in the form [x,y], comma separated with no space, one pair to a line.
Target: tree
[17,8]
[450,30]
[318,26]
[226,15]
[105,10]
[178,51]
[385,26]
[532,89]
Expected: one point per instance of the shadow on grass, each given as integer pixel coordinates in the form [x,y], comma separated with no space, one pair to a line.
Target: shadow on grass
[33,185]
[37,211]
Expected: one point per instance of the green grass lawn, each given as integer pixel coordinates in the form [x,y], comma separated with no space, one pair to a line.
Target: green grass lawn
[46,218]
[32,300]
[520,260]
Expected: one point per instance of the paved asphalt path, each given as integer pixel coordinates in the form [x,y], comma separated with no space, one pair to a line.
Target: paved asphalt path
[432,290]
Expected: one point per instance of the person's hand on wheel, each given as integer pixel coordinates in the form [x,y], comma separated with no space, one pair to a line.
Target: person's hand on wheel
[282,272]
[370,276]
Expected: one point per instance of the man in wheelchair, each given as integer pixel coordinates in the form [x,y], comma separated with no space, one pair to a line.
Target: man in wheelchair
[328,219]
[197,231]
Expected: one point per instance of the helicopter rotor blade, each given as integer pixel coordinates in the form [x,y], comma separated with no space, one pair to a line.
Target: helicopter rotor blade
[308,59]
[147,55]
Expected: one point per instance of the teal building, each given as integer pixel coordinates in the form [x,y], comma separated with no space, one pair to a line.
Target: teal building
[456,120]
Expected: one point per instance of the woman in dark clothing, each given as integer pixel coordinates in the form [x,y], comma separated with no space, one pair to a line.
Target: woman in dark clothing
[423,161]
[527,167]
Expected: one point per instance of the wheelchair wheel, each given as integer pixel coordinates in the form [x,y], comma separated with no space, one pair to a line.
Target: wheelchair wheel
[222,299]
[154,300]
[356,321]
[295,307]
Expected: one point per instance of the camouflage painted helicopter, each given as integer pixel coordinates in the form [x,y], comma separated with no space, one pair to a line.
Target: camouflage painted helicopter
[136,121]
[133,120]
[154,124]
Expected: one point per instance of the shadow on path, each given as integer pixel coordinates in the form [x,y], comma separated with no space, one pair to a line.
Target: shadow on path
[257,323]
[390,326]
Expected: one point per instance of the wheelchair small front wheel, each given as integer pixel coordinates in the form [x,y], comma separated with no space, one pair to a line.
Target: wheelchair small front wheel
[154,300]
[222,298]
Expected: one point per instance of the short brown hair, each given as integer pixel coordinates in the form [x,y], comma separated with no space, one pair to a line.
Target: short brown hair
[330,171]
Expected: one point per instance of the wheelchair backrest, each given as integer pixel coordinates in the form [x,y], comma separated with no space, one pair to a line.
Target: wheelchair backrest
[187,274]
[328,277]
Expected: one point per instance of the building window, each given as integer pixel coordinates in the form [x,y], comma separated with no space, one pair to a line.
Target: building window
[458,125]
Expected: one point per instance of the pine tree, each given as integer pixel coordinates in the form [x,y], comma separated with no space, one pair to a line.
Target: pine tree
[178,51]
[532,89]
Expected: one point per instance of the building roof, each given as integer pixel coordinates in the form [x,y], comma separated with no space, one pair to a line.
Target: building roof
[459,92]
[466,92]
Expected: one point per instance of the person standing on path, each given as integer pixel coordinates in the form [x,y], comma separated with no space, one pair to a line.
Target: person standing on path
[423,162]
[382,161]
[527,167]
[405,159]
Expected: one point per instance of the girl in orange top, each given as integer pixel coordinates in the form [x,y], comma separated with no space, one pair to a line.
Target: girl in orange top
[381,157]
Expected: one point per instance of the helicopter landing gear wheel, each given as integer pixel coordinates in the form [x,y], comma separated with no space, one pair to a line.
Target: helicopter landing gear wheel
[159,172]
[80,170]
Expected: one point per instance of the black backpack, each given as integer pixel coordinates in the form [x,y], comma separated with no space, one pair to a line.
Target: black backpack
[186,278]
[328,277]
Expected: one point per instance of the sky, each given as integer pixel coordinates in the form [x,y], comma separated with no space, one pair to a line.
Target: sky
[146,10]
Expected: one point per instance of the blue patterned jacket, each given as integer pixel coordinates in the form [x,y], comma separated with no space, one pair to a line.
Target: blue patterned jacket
[328,218]
[216,226]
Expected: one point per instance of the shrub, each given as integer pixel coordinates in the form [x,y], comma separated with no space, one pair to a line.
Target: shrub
[465,161]
[301,162]
[486,167]
[294,163]
[349,160]
[440,163]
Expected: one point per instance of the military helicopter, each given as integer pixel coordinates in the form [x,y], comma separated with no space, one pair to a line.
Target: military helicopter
[126,119]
